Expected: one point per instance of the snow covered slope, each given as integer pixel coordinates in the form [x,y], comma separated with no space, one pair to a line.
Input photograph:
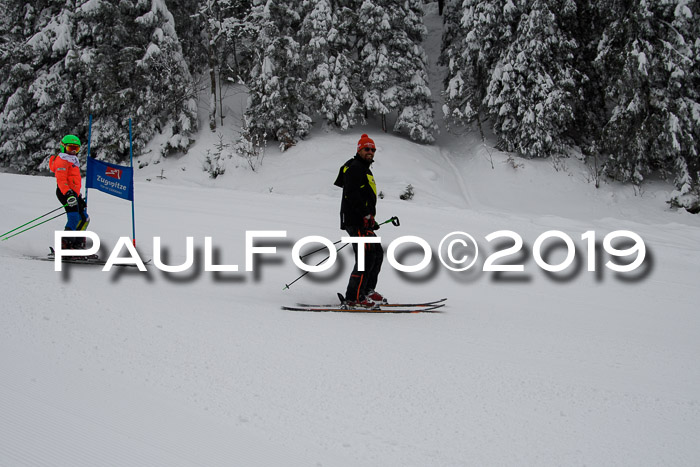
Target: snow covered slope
[203,368]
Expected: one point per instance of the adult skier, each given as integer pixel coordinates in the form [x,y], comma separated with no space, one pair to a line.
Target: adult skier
[66,167]
[357,211]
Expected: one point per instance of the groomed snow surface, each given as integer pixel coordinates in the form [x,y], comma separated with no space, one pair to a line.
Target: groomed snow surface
[203,368]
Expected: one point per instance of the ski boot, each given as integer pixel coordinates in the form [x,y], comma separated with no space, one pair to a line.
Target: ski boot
[376,297]
[364,302]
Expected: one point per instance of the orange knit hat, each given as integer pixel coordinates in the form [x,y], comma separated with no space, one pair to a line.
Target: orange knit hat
[365,142]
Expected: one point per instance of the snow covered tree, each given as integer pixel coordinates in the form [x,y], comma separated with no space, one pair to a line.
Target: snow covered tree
[393,65]
[136,69]
[39,103]
[515,62]
[533,88]
[190,32]
[476,36]
[378,88]
[236,50]
[416,116]
[649,56]
[326,57]
[168,87]
[589,110]
[211,12]
[338,59]
[451,31]
[276,108]
[223,23]
[111,60]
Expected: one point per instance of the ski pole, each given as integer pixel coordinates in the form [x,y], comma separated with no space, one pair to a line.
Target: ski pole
[36,225]
[316,251]
[43,215]
[286,286]
[394,221]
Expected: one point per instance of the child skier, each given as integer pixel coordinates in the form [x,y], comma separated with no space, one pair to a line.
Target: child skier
[66,167]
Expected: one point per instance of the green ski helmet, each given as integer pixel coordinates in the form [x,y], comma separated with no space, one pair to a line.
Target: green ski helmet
[69,139]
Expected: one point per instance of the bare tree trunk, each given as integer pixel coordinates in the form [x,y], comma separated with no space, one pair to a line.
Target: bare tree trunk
[481,130]
[235,57]
[212,99]
[222,62]
[483,139]
[221,100]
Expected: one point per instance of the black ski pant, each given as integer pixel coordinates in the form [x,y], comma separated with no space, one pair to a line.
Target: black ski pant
[361,282]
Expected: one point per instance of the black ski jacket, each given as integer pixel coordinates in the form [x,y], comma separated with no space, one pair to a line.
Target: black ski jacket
[359,192]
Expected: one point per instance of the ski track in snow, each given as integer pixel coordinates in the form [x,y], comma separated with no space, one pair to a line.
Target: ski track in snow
[460,180]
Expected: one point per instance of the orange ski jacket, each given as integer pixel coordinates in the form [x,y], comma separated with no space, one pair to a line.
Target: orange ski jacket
[67,174]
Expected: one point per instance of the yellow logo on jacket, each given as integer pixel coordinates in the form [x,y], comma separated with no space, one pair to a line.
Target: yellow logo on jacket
[372,184]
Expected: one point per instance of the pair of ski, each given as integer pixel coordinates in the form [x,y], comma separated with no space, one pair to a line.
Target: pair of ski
[420,307]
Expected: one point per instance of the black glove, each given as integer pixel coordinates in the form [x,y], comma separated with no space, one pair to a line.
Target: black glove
[71,198]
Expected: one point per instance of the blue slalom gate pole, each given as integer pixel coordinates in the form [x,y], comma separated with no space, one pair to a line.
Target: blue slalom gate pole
[133,198]
[88,153]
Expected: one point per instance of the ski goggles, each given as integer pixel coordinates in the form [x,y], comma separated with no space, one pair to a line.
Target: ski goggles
[72,147]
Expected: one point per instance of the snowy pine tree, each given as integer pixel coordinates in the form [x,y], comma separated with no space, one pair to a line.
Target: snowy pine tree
[649,57]
[476,35]
[40,103]
[276,108]
[326,57]
[236,49]
[531,92]
[416,116]
[377,85]
[393,66]
[189,27]
[166,93]
[114,61]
